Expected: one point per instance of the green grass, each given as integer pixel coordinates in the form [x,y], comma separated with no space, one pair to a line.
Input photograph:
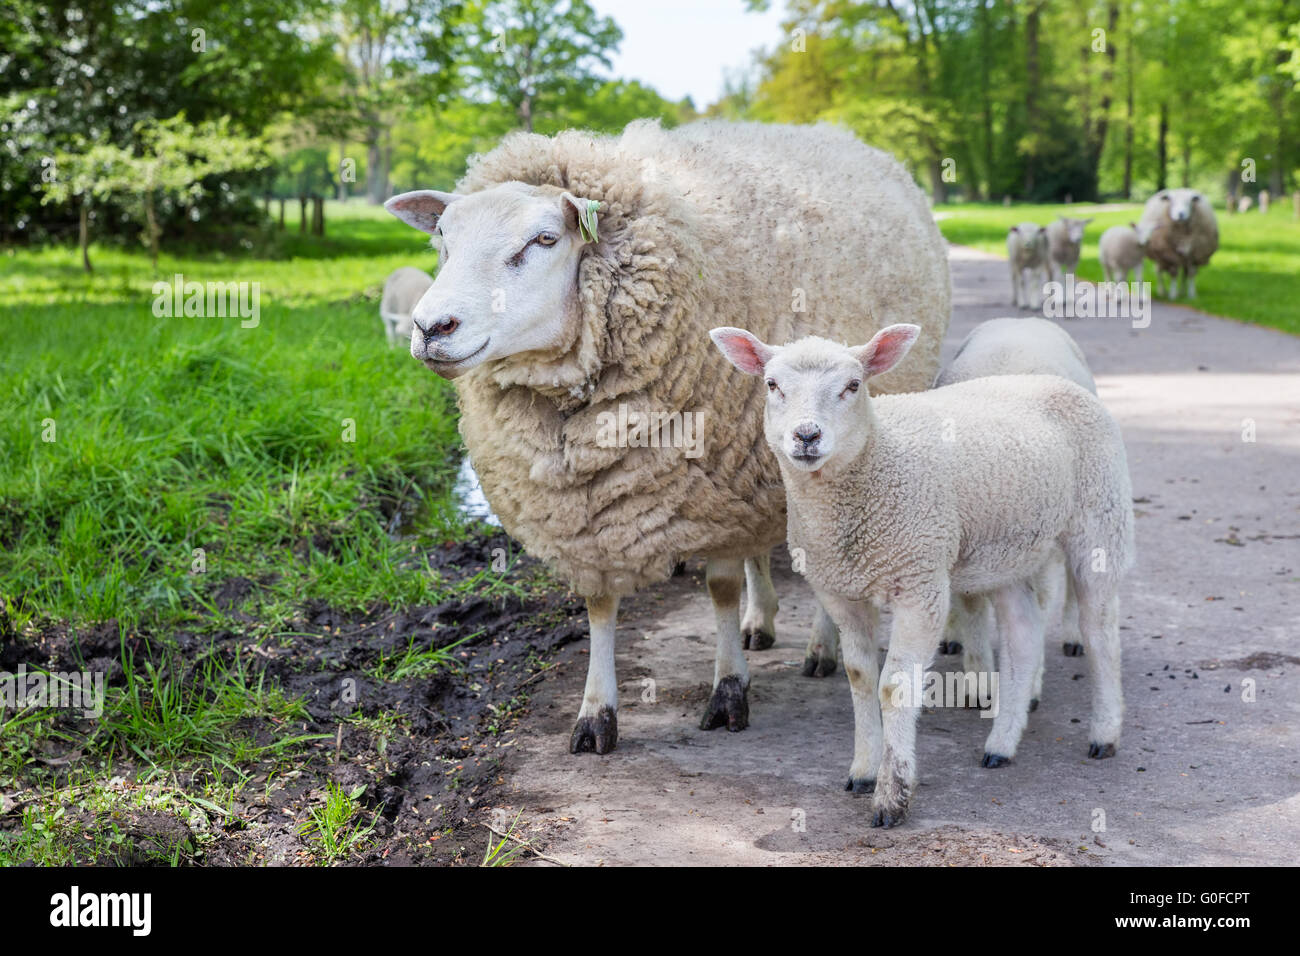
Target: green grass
[1255,275]
[336,828]
[184,445]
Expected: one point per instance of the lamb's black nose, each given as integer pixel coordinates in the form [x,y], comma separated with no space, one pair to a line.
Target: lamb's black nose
[807,433]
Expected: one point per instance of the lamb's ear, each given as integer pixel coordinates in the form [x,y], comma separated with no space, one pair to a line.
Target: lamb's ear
[580,214]
[421,208]
[743,349]
[886,348]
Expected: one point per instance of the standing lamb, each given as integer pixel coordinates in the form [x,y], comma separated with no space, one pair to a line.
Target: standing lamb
[1064,243]
[1122,250]
[1027,253]
[559,323]
[1183,234]
[402,291]
[889,508]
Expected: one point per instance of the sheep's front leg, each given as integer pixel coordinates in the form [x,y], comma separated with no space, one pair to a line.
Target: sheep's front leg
[729,705]
[823,646]
[859,622]
[1020,622]
[758,629]
[1189,282]
[918,625]
[1015,283]
[597,727]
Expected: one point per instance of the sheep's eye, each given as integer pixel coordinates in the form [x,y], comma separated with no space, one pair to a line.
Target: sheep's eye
[547,239]
[851,387]
[771,385]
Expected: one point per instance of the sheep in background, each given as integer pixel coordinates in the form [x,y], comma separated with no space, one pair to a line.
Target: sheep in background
[1122,250]
[1263,201]
[1027,252]
[1064,243]
[1034,461]
[612,256]
[1183,234]
[402,290]
[1243,204]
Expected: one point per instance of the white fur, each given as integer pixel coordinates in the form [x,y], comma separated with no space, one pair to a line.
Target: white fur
[1182,234]
[1028,254]
[1065,242]
[1122,251]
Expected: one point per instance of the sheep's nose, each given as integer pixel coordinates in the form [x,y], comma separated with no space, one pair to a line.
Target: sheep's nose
[807,433]
[438,329]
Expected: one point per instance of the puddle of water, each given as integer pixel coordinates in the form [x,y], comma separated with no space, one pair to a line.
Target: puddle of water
[468,493]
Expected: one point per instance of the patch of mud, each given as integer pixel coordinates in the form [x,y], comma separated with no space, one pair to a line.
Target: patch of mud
[1259,661]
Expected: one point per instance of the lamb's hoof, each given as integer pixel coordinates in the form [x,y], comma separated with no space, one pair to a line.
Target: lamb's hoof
[950,647]
[758,639]
[818,665]
[1072,649]
[994,760]
[887,817]
[860,785]
[1100,751]
[597,734]
[728,707]
[1033,705]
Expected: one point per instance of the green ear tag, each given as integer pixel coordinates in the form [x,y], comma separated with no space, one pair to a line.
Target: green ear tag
[587,221]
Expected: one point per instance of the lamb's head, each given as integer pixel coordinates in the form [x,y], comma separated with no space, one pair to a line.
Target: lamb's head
[1074,228]
[507,276]
[818,411]
[1180,203]
[1143,232]
[1031,236]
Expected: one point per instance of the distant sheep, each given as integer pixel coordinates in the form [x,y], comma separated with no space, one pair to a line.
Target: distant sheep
[1122,250]
[402,291]
[888,510]
[1183,234]
[579,277]
[1028,253]
[1064,242]
[1263,201]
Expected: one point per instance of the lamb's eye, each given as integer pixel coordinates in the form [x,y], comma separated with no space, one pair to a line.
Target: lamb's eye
[547,239]
[851,387]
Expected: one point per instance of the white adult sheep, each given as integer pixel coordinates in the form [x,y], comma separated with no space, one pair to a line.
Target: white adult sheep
[888,511]
[402,291]
[1064,243]
[1183,234]
[1027,254]
[557,322]
[1122,250]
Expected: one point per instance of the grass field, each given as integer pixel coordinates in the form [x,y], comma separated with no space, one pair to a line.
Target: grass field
[1255,275]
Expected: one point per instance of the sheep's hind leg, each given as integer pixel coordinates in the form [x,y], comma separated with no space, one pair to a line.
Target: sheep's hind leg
[859,621]
[597,727]
[974,612]
[1020,624]
[823,646]
[729,705]
[1099,622]
[758,628]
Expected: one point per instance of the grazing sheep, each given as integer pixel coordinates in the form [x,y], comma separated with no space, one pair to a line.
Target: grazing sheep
[1015,346]
[1027,252]
[899,500]
[558,323]
[402,290]
[1122,250]
[1263,201]
[1064,243]
[1243,204]
[1183,234]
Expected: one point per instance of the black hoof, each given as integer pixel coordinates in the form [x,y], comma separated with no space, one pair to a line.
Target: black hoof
[728,707]
[994,760]
[597,734]
[1100,751]
[1033,705]
[859,785]
[1072,649]
[758,640]
[890,817]
[950,647]
[818,666]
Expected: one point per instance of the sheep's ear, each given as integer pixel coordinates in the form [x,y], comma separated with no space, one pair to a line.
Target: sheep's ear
[886,348]
[743,349]
[421,208]
[580,214]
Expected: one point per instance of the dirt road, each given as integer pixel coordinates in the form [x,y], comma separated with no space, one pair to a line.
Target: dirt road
[1208,771]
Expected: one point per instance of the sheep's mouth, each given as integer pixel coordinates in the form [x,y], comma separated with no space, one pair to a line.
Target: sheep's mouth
[444,365]
[805,458]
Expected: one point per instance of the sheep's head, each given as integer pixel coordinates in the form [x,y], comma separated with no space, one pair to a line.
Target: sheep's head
[507,276]
[1180,203]
[1074,228]
[1031,235]
[1143,232]
[818,406]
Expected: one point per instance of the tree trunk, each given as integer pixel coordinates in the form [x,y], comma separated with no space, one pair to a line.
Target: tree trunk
[302,215]
[1187,165]
[83,234]
[318,215]
[282,214]
[151,224]
[1162,149]
[986,101]
[1032,81]
[1128,112]
[374,169]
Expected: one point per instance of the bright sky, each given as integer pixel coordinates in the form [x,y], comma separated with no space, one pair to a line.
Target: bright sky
[681,47]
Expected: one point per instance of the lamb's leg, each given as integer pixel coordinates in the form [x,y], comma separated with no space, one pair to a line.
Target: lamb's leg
[823,646]
[1189,282]
[918,624]
[1071,639]
[1099,622]
[759,625]
[1020,625]
[859,621]
[729,705]
[974,612]
[1015,284]
[597,727]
